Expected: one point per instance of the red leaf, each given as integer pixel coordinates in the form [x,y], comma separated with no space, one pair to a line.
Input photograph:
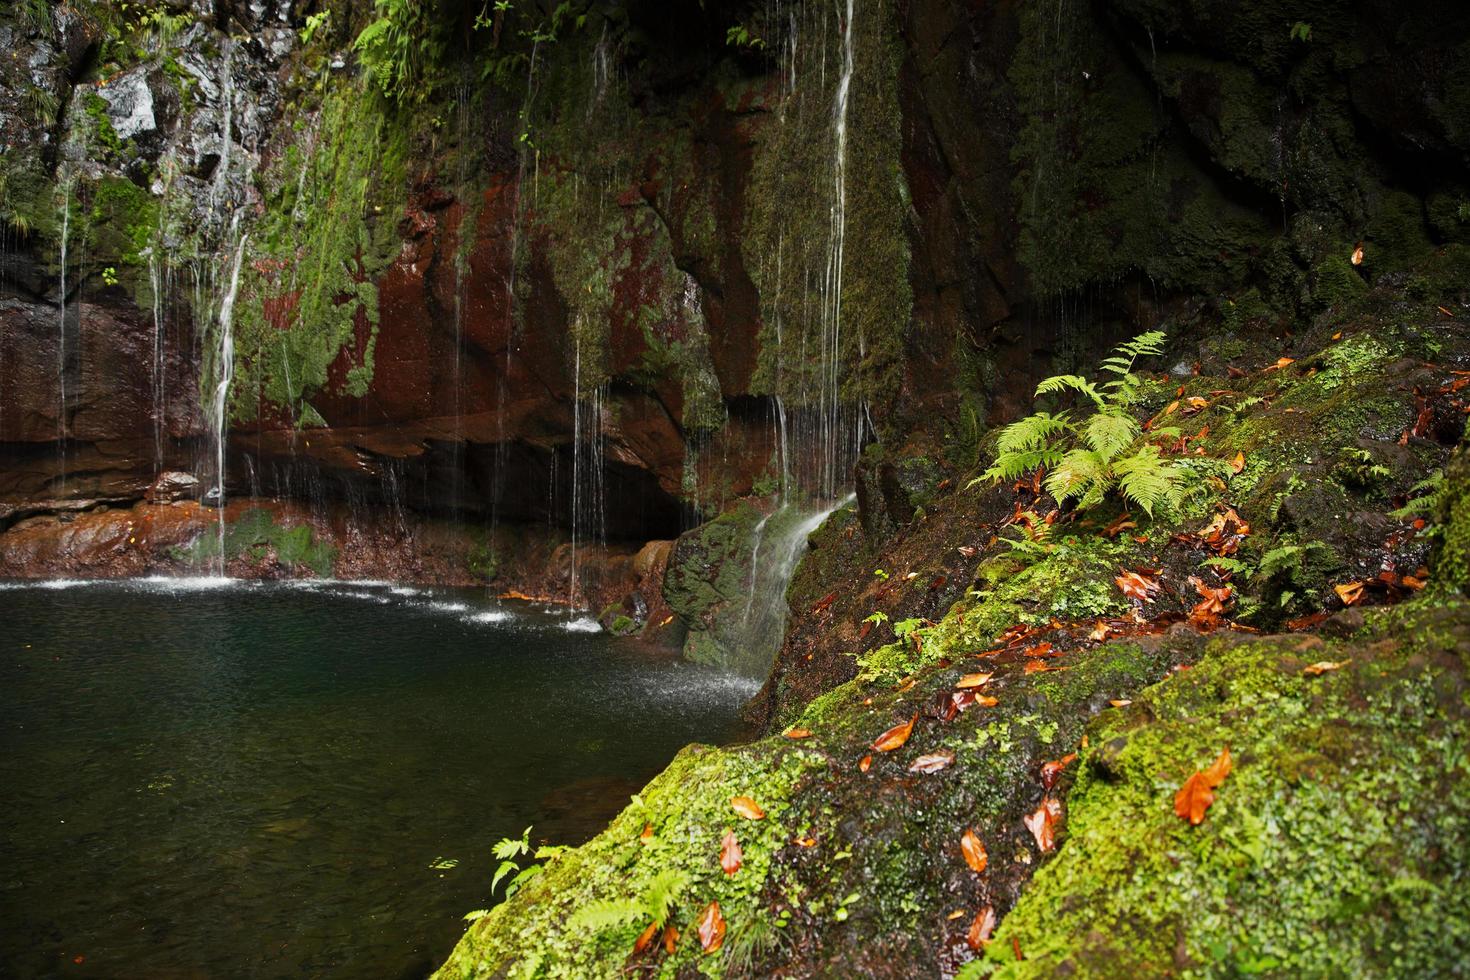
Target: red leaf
[1042,823]
[1197,793]
[730,855]
[671,939]
[981,928]
[645,937]
[895,736]
[826,600]
[974,852]
[865,764]
[933,762]
[747,808]
[711,928]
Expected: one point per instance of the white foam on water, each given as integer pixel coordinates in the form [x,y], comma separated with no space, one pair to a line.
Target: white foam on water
[64,583]
[190,583]
[585,624]
[451,607]
[493,616]
[405,590]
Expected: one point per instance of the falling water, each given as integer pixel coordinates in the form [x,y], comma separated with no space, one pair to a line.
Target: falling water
[61,338]
[224,366]
[589,506]
[832,409]
[779,541]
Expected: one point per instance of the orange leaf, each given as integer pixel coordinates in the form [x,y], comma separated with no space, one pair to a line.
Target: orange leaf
[1052,771]
[972,680]
[747,808]
[1042,823]
[647,836]
[711,928]
[671,939]
[798,733]
[645,937]
[1137,585]
[1281,362]
[1197,793]
[933,762]
[730,855]
[805,841]
[985,701]
[974,852]
[1238,463]
[1323,666]
[1120,702]
[1349,592]
[865,764]
[981,928]
[895,736]
[1357,256]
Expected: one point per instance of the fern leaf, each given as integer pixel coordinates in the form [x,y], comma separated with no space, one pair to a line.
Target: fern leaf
[1075,382]
[1146,479]
[1074,474]
[600,916]
[1031,432]
[662,892]
[1109,433]
[1012,466]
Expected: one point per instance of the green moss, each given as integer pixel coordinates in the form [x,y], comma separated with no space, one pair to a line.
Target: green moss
[1337,846]
[255,535]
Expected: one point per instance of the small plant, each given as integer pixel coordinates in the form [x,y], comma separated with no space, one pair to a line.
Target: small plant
[1301,31]
[314,24]
[510,848]
[652,905]
[1100,449]
[740,36]
[109,276]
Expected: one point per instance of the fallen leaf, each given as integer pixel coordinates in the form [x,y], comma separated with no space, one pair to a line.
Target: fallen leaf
[865,764]
[1281,362]
[804,841]
[798,733]
[981,928]
[1042,824]
[966,550]
[671,939]
[1120,525]
[1323,666]
[974,852]
[1099,632]
[1238,463]
[985,701]
[956,914]
[895,736]
[1198,791]
[1120,702]
[1052,771]
[826,600]
[645,937]
[933,762]
[972,680]
[1349,592]
[731,856]
[1357,257]
[747,808]
[1137,585]
[711,928]
[646,837]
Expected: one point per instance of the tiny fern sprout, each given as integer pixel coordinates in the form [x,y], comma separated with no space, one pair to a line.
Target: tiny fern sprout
[1100,448]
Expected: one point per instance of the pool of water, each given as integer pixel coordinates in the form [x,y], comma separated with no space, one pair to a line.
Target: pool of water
[221,779]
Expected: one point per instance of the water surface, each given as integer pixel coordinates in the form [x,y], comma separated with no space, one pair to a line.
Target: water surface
[215,779]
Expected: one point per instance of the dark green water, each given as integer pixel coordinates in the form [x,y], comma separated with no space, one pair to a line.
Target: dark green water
[255,780]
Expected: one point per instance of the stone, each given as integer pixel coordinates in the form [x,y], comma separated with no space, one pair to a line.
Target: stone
[130,104]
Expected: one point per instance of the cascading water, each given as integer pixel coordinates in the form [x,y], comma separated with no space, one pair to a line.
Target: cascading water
[589,506]
[224,369]
[61,338]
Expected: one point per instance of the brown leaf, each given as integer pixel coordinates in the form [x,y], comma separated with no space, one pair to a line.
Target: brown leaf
[1099,632]
[974,852]
[711,928]
[645,938]
[1323,666]
[981,928]
[1137,585]
[730,854]
[1197,793]
[804,841]
[822,603]
[798,733]
[1120,702]
[895,736]
[1238,463]
[1119,526]
[1052,771]
[747,808]
[671,939]
[1281,362]
[646,837]
[1357,256]
[985,701]
[1350,592]
[1042,823]
[865,764]
[972,680]
[933,762]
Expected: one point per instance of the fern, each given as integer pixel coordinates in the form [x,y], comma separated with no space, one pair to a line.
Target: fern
[1431,492]
[1093,454]
[654,903]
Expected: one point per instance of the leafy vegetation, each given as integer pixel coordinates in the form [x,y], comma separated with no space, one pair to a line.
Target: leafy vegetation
[1100,448]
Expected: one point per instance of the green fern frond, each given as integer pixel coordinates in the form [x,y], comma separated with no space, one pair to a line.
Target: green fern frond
[1109,433]
[1148,344]
[600,916]
[1431,490]
[1032,432]
[662,892]
[1147,479]
[1075,473]
[1013,466]
[1075,382]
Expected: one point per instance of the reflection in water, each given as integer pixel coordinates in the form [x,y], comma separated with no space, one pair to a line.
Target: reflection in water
[206,778]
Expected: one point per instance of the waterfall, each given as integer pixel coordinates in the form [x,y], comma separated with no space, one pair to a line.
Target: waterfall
[832,409]
[61,338]
[589,505]
[778,542]
[224,366]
